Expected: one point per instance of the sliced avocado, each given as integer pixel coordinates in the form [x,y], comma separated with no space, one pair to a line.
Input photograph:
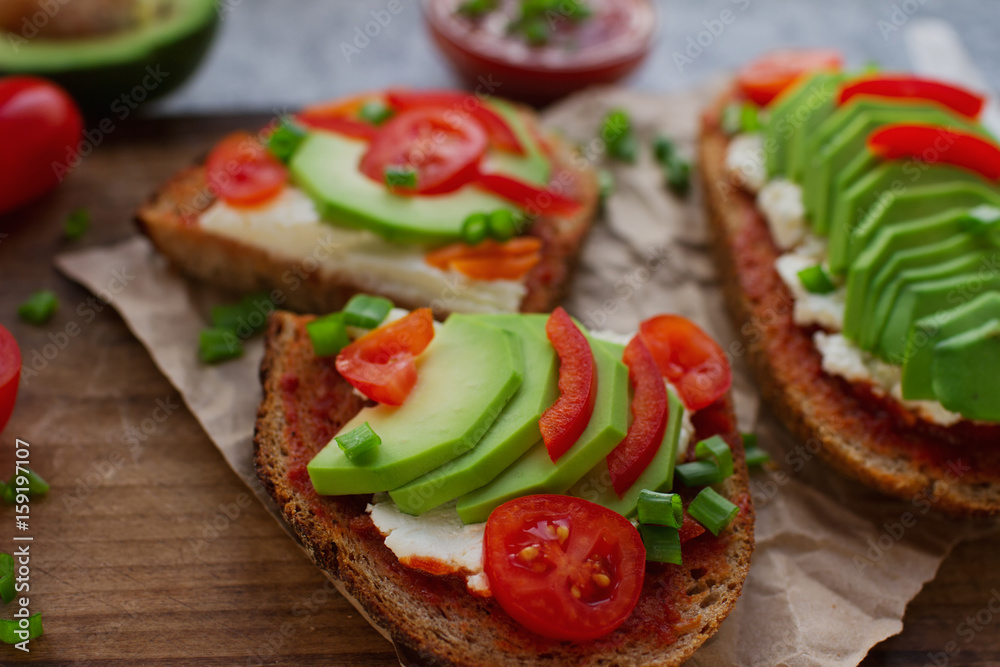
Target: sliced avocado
[110,69]
[535,472]
[927,332]
[533,166]
[919,201]
[325,166]
[920,299]
[896,248]
[465,378]
[964,369]
[510,436]
[795,119]
[596,486]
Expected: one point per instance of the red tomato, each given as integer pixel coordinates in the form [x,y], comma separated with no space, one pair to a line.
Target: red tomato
[649,418]
[935,144]
[346,126]
[689,358]
[531,198]
[763,79]
[241,172]
[501,136]
[381,365]
[443,151]
[563,567]
[908,86]
[10,374]
[41,127]
[563,423]
[690,529]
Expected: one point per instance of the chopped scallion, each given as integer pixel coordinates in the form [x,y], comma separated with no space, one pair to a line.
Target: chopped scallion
[77,224]
[376,112]
[740,117]
[663,149]
[328,334]
[476,228]
[698,473]
[661,509]
[36,485]
[717,449]
[9,629]
[816,280]
[678,173]
[756,456]
[286,139]
[245,317]
[366,311]
[357,442]
[502,225]
[712,510]
[606,183]
[616,131]
[39,308]
[476,8]
[400,177]
[663,544]
[215,345]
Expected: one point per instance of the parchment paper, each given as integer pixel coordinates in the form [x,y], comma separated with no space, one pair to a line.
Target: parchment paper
[835,564]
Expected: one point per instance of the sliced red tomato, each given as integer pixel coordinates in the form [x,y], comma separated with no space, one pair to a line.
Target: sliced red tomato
[339,124]
[531,198]
[763,79]
[563,423]
[649,418]
[10,374]
[908,86]
[690,529]
[689,358]
[381,364]
[500,134]
[490,260]
[241,172]
[442,150]
[563,567]
[937,145]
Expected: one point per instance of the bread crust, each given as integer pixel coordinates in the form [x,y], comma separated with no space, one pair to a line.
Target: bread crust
[433,618]
[170,219]
[869,438]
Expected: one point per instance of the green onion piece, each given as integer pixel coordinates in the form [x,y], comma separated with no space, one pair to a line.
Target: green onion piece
[749,439]
[502,224]
[400,177]
[535,31]
[756,456]
[740,117]
[76,224]
[712,510]
[678,176]
[286,139]
[718,449]
[578,11]
[244,318]
[476,228]
[616,131]
[366,311]
[663,149]
[663,544]
[476,8]
[376,112]
[328,334]
[36,485]
[8,628]
[816,280]
[357,442]
[606,183]
[39,307]
[215,345]
[6,577]
[662,509]
[698,473]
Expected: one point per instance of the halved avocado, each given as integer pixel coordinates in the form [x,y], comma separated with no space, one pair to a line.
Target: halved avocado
[111,55]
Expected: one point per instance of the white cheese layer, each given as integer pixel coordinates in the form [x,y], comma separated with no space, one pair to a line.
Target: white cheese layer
[745,161]
[826,310]
[781,202]
[290,227]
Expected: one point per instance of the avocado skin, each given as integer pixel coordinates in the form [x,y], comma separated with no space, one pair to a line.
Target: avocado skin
[964,371]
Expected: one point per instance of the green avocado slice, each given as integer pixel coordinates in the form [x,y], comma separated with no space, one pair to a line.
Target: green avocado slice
[466,376]
[927,332]
[793,115]
[964,372]
[513,432]
[535,472]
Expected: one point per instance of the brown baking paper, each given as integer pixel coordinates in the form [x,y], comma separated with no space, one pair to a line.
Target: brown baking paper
[835,564]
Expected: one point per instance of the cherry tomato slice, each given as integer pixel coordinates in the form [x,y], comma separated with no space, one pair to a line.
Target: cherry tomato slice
[532,199]
[443,150]
[908,86]
[763,79]
[935,144]
[241,172]
[381,364]
[10,374]
[565,420]
[690,529]
[563,567]
[689,358]
[649,418]
[500,135]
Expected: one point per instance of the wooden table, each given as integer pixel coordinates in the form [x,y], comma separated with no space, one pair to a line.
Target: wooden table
[149,549]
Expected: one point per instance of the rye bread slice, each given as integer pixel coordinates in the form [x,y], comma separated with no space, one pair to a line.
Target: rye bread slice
[434,618]
[862,435]
[170,219]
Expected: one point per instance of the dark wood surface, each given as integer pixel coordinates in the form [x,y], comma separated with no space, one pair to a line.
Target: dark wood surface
[149,550]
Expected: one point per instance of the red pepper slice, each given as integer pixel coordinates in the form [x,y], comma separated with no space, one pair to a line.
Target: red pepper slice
[501,136]
[10,374]
[690,529]
[531,198]
[906,86]
[339,124]
[935,144]
[565,420]
[649,418]
[689,358]
[381,364]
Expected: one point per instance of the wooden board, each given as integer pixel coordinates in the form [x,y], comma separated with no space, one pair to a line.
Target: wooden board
[150,550]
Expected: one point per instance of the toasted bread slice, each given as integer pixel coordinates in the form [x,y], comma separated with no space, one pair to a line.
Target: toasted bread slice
[434,618]
[871,438]
[170,219]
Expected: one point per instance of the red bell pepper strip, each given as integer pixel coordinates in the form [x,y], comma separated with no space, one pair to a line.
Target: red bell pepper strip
[565,420]
[534,200]
[934,144]
[906,86]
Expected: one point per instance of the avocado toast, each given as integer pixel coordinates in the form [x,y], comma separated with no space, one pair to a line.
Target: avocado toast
[391,550]
[853,222]
[430,198]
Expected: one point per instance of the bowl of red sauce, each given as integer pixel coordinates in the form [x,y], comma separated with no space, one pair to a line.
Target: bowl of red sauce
[540,50]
